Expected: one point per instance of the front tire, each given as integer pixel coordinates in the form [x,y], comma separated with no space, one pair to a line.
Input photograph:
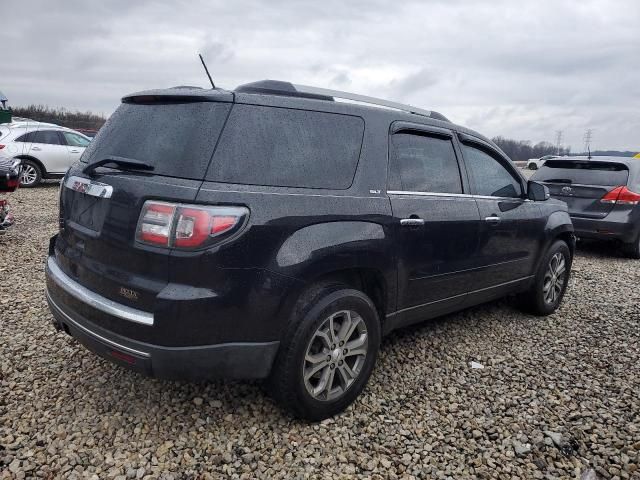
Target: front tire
[550,283]
[328,352]
[533,166]
[31,174]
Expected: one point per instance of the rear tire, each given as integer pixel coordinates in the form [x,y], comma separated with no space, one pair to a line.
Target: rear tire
[633,249]
[533,166]
[317,373]
[550,283]
[31,174]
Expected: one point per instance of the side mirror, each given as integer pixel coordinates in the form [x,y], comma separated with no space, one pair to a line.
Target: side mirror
[537,191]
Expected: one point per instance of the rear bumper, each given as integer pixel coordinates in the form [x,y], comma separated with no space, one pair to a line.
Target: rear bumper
[605,229]
[240,360]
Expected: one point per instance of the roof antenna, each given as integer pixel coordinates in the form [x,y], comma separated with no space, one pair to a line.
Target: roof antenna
[206,70]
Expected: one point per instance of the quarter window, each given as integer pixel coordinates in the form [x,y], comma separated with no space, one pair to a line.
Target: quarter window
[422,163]
[488,176]
[288,148]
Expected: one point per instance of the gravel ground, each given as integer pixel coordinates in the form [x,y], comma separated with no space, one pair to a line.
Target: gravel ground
[557,396]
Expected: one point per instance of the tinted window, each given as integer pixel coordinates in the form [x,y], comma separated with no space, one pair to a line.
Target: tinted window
[589,172]
[42,136]
[288,148]
[177,139]
[424,164]
[75,140]
[489,176]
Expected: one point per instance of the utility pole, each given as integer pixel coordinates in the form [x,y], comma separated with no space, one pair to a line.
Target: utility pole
[587,140]
[558,141]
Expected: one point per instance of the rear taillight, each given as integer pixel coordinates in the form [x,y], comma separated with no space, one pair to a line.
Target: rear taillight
[1,147]
[156,223]
[186,226]
[621,196]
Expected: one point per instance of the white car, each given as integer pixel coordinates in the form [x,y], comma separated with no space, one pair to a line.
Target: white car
[536,163]
[46,150]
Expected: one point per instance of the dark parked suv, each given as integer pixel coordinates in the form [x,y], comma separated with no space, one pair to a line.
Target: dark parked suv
[276,232]
[603,196]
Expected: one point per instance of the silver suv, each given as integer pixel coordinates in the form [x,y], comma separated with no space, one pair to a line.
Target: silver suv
[46,150]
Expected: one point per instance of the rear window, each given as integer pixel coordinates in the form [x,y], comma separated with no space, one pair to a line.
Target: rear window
[288,148]
[178,139]
[590,172]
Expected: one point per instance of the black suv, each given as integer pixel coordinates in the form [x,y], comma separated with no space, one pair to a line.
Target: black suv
[603,196]
[276,232]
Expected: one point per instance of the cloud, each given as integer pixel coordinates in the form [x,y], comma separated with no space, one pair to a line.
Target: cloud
[518,69]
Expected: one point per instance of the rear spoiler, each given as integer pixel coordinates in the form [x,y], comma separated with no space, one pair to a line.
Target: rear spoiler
[179,95]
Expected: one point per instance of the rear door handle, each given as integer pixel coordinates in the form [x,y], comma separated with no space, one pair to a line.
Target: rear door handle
[37,149]
[75,151]
[492,219]
[411,222]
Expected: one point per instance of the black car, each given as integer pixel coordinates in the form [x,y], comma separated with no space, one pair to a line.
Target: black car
[602,194]
[276,232]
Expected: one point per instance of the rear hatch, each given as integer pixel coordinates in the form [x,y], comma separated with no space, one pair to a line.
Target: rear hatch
[582,184]
[173,133]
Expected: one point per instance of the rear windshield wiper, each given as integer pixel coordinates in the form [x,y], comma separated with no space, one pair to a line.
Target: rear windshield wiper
[122,162]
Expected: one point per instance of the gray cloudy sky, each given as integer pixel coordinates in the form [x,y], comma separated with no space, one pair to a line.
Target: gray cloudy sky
[522,69]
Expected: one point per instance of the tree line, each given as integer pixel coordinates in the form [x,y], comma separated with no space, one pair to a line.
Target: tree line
[524,149]
[60,116]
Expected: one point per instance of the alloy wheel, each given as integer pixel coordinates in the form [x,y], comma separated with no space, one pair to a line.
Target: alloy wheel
[335,355]
[554,278]
[29,175]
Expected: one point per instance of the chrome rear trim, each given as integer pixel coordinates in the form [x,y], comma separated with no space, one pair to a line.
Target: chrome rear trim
[93,334]
[98,302]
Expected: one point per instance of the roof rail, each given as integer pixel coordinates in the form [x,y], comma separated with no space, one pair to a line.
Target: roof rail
[276,87]
[362,99]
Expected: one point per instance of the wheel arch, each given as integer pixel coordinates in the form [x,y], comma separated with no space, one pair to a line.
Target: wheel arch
[43,169]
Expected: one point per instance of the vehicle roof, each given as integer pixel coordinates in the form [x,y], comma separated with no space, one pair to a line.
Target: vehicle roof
[18,128]
[301,100]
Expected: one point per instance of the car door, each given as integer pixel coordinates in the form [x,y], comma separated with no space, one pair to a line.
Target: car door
[76,145]
[436,222]
[512,226]
[49,147]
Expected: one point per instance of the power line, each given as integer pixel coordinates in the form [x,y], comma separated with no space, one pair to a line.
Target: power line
[588,135]
[558,141]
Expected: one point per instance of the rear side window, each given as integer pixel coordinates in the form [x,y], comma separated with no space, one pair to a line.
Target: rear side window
[288,148]
[421,163]
[489,177]
[177,139]
[590,172]
[48,137]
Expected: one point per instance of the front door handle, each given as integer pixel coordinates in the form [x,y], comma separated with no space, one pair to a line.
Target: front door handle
[411,222]
[75,151]
[37,149]
[492,219]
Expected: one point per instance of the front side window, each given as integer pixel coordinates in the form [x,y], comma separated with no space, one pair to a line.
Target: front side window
[75,140]
[422,163]
[49,137]
[488,176]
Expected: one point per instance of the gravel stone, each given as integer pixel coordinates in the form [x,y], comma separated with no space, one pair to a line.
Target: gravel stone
[566,386]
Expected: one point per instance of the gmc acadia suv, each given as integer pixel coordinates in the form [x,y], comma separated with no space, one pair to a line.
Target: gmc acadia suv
[279,231]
